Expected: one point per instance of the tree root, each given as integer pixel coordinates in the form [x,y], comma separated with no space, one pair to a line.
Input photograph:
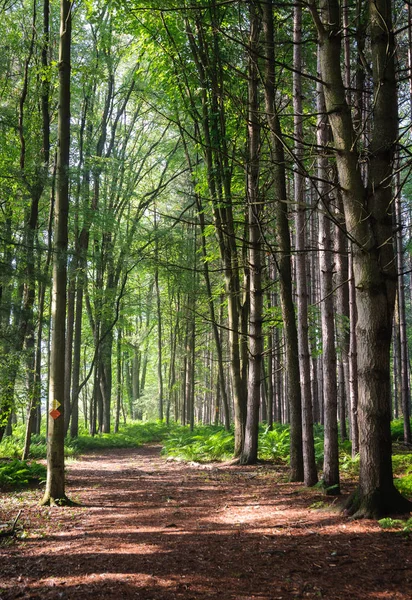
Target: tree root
[381,503]
[64,501]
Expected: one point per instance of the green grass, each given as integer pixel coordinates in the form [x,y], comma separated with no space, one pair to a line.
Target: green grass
[131,435]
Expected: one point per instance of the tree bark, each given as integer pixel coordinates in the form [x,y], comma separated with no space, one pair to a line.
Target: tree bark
[255,206]
[284,245]
[330,396]
[369,222]
[55,484]
[216,155]
[403,339]
[309,462]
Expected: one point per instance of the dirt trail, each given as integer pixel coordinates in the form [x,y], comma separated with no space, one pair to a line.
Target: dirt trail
[159,530]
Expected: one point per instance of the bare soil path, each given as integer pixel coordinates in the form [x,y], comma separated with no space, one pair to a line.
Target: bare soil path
[159,530]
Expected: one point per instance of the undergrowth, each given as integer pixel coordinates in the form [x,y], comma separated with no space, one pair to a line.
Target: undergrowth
[131,435]
[19,473]
[203,444]
[403,526]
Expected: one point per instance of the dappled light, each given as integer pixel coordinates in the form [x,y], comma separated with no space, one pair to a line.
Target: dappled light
[151,528]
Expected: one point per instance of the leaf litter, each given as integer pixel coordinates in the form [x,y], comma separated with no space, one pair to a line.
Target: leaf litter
[155,529]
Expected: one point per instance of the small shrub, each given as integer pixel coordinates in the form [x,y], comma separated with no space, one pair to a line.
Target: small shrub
[17,473]
[397,430]
[204,443]
[404,485]
[348,464]
[389,523]
[274,444]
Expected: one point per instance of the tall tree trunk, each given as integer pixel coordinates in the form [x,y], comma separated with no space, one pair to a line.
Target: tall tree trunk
[284,260]
[221,380]
[119,379]
[369,222]
[77,341]
[68,352]
[55,484]
[309,461]
[255,206]
[353,362]
[159,337]
[219,183]
[330,397]
[403,339]
[34,412]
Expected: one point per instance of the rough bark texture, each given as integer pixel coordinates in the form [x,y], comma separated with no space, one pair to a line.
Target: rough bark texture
[369,222]
[353,363]
[326,267]
[284,259]
[403,338]
[309,462]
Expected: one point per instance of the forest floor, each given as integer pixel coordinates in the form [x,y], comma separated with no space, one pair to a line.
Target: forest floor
[154,529]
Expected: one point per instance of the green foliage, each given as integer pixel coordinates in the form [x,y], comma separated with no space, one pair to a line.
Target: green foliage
[402,469]
[131,435]
[16,473]
[209,443]
[274,444]
[403,526]
[273,317]
[397,430]
[349,464]
[10,447]
[404,485]
[203,444]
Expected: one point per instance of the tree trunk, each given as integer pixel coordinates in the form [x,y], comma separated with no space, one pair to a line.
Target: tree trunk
[330,396]
[369,222]
[284,260]
[403,338]
[55,484]
[218,170]
[353,362]
[255,206]
[309,462]
[119,380]
[159,344]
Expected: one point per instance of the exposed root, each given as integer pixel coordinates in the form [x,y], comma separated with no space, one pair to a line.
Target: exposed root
[381,503]
[64,501]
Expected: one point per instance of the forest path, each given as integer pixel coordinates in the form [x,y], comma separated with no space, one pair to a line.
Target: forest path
[161,530]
